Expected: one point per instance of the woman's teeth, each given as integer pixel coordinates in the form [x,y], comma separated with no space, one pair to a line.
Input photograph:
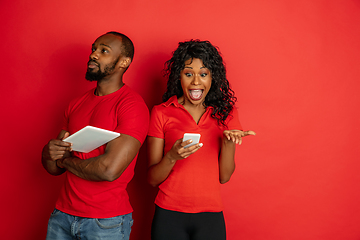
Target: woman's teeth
[196,94]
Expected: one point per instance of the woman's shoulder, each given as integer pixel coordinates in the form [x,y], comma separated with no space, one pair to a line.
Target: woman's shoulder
[171,102]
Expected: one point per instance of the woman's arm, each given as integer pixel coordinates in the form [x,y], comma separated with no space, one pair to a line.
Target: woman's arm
[227,152]
[161,165]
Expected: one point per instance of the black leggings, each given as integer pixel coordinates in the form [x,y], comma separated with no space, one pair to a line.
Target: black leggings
[171,225]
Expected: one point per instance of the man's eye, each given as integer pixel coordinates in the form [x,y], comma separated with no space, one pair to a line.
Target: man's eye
[104,51]
[93,50]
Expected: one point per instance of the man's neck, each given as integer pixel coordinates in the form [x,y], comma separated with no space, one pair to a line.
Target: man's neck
[108,86]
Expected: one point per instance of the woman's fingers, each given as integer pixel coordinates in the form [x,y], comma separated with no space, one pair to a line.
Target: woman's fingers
[237,135]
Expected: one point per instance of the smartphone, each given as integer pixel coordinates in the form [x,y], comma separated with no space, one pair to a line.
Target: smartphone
[195,137]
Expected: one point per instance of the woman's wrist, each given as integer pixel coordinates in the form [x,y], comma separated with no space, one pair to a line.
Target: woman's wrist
[226,141]
[169,158]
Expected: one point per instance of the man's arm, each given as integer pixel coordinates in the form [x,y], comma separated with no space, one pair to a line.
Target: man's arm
[107,167]
[55,150]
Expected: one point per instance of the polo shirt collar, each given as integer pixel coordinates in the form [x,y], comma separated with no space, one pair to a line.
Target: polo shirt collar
[174,101]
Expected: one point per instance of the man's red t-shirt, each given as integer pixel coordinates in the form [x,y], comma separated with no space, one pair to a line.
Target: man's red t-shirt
[123,111]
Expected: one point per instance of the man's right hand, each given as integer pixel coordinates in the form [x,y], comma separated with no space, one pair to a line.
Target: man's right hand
[56,149]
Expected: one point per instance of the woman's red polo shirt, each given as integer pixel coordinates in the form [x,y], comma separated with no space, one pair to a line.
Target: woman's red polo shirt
[193,184]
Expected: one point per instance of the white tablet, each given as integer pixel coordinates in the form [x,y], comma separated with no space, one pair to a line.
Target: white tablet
[195,137]
[88,138]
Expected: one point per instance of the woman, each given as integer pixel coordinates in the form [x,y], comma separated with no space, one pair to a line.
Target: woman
[198,99]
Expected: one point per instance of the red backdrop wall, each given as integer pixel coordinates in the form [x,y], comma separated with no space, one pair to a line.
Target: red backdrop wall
[294,66]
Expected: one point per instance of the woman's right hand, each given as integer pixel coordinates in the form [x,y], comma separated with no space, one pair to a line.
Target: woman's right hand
[160,166]
[178,151]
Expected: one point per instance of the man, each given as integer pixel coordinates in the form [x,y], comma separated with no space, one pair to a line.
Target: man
[93,203]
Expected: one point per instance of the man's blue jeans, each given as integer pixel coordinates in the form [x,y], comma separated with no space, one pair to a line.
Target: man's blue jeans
[63,226]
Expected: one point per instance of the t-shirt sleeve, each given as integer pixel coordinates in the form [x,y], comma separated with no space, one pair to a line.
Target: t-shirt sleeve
[133,119]
[156,123]
[67,113]
[233,122]
[65,124]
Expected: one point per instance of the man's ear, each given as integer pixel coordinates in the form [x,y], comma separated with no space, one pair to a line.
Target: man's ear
[125,62]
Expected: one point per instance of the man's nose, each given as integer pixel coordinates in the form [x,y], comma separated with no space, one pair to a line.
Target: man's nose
[94,55]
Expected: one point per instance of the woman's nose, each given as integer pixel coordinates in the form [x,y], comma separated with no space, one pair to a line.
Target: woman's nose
[196,79]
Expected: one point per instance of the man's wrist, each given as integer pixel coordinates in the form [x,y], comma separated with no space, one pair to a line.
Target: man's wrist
[59,163]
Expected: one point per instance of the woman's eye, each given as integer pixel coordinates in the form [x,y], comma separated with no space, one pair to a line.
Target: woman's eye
[104,51]
[188,74]
[93,50]
[203,75]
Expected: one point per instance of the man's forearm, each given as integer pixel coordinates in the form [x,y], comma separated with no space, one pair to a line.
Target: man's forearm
[51,167]
[88,169]
[92,169]
[109,166]
[50,164]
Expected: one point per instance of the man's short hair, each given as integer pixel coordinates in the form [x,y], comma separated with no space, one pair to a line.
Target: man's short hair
[127,45]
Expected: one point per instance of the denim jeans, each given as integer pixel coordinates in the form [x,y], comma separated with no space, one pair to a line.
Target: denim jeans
[63,226]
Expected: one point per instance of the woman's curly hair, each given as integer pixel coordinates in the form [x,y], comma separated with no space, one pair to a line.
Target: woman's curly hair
[220,96]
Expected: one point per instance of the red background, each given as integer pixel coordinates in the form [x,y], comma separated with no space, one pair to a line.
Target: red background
[294,66]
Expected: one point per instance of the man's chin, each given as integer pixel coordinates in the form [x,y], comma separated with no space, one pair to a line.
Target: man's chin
[93,76]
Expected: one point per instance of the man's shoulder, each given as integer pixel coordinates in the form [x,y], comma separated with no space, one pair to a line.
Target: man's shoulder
[129,92]
[130,95]
[130,101]
[81,97]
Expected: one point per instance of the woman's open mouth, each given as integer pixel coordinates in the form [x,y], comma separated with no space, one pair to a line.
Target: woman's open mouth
[196,94]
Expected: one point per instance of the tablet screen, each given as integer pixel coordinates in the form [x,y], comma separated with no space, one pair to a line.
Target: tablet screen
[89,138]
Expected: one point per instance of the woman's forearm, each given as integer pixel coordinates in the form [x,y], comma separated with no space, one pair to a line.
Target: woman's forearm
[226,160]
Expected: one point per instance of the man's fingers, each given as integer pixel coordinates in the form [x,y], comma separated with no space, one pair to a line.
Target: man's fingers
[56,156]
[60,143]
[56,148]
[66,135]
[63,144]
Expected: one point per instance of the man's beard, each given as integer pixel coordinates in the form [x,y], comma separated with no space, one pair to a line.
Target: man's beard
[99,75]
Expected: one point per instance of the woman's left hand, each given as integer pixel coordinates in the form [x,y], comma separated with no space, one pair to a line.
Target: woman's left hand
[237,135]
